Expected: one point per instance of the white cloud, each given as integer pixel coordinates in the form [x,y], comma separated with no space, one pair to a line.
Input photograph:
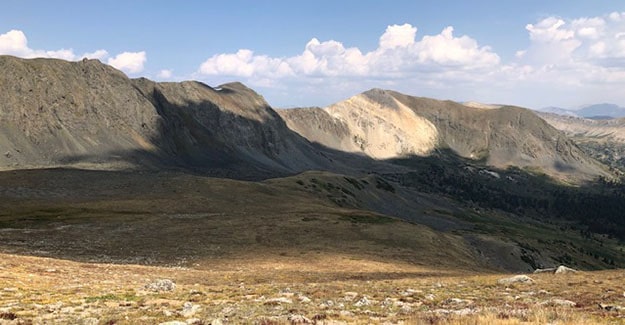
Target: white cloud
[398,36]
[15,43]
[567,62]
[99,54]
[397,56]
[165,74]
[130,62]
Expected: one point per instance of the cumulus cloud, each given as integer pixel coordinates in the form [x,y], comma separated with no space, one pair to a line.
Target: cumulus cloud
[130,62]
[15,42]
[165,74]
[398,36]
[583,56]
[99,54]
[398,55]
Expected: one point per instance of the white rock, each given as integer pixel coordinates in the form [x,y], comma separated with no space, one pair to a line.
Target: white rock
[279,300]
[161,285]
[304,299]
[326,304]
[559,302]
[298,319]
[564,270]
[364,301]
[516,279]
[189,309]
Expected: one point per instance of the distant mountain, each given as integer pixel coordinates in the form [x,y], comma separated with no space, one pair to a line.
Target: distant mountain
[601,111]
[559,111]
[385,124]
[596,111]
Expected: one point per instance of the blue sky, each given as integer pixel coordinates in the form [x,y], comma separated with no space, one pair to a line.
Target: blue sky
[306,53]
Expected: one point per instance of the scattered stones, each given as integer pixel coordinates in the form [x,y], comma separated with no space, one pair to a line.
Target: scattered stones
[174,322]
[194,321]
[547,270]
[161,285]
[516,279]
[298,319]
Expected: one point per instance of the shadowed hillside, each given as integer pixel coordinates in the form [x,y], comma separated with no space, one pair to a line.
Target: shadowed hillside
[58,113]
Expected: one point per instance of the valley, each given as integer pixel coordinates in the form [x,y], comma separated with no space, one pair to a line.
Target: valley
[383,207]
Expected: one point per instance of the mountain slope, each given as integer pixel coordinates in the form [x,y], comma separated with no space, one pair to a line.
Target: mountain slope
[602,110]
[613,129]
[55,113]
[386,124]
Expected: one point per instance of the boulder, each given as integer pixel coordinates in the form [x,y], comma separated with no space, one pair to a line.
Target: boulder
[161,285]
[547,270]
[516,279]
[564,270]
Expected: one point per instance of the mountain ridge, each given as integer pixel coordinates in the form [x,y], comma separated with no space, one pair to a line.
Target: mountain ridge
[501,137]
[594,111]
[59,113]
[88,114]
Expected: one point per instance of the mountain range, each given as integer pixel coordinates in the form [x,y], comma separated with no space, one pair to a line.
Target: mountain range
[57,113]
[595,111]
[146,163]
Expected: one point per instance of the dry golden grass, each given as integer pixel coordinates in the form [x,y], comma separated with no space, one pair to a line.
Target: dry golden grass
[39,290]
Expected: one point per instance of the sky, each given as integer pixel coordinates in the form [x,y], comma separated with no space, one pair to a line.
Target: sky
[564,53]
